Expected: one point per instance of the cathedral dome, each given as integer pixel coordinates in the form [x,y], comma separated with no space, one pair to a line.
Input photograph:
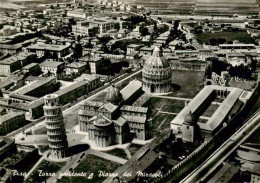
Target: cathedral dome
[101,122]
[189,119]
[113,95]
[156,74]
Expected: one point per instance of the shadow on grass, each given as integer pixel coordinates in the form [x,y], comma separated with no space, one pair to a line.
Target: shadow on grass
[78,148]
[176,87]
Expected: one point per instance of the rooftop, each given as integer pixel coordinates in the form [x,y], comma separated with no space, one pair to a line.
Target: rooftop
[10,115]
[32,86]
[76,65]
[218,115]
[31,65]
[51,47]
[50,63]
[130,89]
[15,58]
[134,108]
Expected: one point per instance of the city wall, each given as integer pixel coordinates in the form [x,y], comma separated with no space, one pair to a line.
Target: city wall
[205,149]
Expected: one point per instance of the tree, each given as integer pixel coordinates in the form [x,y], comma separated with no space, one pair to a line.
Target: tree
[55,56]
[176,25]
[155,25]
[89,45]
[143,31]
[78,51]
[117,26]
[253,64]
[78,38]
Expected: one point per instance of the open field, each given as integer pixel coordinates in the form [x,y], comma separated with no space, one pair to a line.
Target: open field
[187,84]
[167,105]
[241,36]
[23,4]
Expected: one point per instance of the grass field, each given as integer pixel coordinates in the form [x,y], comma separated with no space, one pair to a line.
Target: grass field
[92,164]
[241,36]
[157,120]
[168,105]
[45,166]
[133,148]
[118,152]
[187,83]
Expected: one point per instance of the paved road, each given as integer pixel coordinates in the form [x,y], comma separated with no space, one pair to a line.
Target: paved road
[72,119]
[108,156]
[230,145]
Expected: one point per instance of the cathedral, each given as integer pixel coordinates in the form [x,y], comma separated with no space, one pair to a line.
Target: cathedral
[156,74]
[118,120]
[114,122]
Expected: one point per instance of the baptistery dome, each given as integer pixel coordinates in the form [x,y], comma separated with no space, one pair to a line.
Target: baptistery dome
[156,74]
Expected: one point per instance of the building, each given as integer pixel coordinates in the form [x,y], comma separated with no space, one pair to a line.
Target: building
[190,63]
[77,90]
[146,51]
[51,67]
[133,49]
[15,62]
[131,91]
[111,122]
[156,74]
[209,117]
[75,68]
[40,49]
[101,25]
[78,13]
[8,30]
[57,138]
[190,128]
[31,68]
[93,62]
[237,46]
[10,49]
[11,122]
[34,88]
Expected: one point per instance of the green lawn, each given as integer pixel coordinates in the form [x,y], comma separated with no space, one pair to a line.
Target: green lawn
[118,152]
[241,36]
[167,122]
[157,120]
[174,106]
[47,167]
[100,97]
[187,84]
[92,164]
[133,148]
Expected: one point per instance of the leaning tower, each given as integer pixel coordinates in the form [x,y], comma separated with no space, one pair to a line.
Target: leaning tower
[57,138]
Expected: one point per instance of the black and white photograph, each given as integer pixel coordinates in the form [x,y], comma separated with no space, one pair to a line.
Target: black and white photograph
[129,91]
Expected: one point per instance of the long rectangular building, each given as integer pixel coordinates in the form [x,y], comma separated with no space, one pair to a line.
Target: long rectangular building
[202,101]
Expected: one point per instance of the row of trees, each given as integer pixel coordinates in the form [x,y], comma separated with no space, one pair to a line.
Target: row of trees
[240,71]
[109,68]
